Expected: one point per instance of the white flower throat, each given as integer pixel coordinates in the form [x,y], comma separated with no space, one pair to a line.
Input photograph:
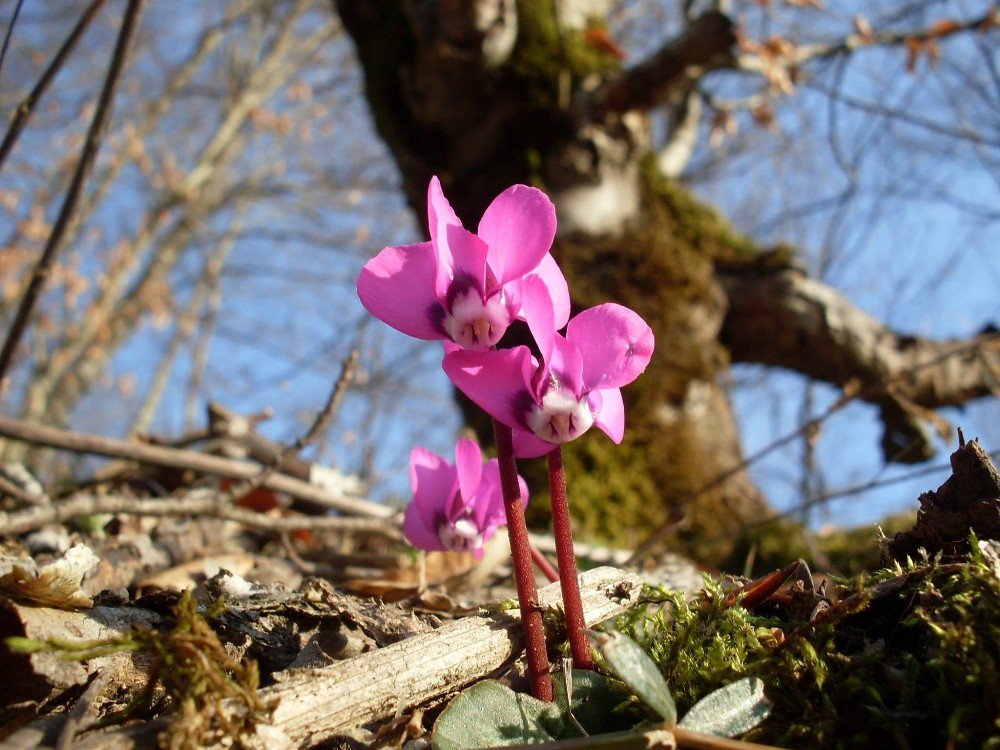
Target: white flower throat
[461,535]
[561,417]
[474,324]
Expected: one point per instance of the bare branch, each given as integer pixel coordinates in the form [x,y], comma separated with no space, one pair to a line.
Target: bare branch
[868,38]
[781,318]
[181,459]
[286,458]
[684,122]
[87,156]
[707,43]
[10,32]
[26,107]
[204,502]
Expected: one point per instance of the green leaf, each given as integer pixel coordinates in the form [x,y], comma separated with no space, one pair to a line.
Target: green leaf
[638,671]
[594,700]
[729,711]
[489,714]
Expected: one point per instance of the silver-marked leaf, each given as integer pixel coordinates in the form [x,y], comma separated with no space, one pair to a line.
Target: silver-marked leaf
[638,671]
[489,714]
[729,711]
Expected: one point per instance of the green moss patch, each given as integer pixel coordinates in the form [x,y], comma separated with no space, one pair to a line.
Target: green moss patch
[907,657]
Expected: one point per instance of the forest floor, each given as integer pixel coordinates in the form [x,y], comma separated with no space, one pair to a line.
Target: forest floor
[188,598]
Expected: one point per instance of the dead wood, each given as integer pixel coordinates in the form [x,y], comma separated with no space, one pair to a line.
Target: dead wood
[31,680]
[277,628]
[311,706]
[54,437]
[968,501]
[205,503]
[314,705]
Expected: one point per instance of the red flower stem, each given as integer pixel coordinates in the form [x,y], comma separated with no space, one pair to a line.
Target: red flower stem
[544,565]
[568,580]
[524,577]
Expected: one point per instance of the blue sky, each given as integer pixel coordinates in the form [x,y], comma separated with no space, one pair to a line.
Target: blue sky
[915,244]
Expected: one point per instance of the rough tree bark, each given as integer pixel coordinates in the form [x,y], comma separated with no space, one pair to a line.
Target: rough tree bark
[485,94]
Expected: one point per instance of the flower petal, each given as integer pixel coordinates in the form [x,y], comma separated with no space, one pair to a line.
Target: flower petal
[416,531]
[489,511]
[519,227]
[497,381]
[397,287]
[432,481]
[566,366]
[469,466]
[468,254]
[561,361]
[615,342]
[609,412]
[439,211]
[552,276]
[440,215]
[528,445]
[538,313]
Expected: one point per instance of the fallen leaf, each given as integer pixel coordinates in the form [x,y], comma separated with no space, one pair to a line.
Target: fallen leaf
[56,584]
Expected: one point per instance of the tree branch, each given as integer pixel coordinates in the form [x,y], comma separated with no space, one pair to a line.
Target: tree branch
[90,147]
[27,105]
[210,503]
[867,37]
[37,434]
[780,317]
[707,43]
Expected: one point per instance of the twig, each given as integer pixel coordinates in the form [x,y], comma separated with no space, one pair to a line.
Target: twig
[306,567]
[12,489]
[329,411]
[857,489]
[10,32]
[66,213]
[319,425]
[196,503]
[54,437]
[78,715]
[26,107]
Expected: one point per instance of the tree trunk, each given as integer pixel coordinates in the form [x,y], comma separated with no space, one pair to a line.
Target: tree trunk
[485,95]
[488,93]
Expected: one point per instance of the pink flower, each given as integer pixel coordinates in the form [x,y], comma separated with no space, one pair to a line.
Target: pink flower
[466,287]
[455,507]
[577,383]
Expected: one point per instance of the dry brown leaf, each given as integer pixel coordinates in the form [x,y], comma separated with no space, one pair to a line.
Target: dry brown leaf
[56,584]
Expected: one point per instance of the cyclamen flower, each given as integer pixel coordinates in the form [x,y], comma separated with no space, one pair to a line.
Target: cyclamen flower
[466,287]
[455,507]
[577,383]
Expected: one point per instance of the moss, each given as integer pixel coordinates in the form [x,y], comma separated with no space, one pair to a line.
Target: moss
[913,665]
[209,695]
[849,551]
[547,58]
